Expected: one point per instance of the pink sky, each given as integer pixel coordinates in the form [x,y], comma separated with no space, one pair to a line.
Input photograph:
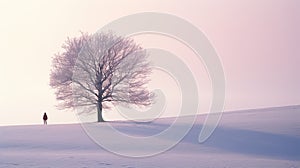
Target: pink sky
[257,41]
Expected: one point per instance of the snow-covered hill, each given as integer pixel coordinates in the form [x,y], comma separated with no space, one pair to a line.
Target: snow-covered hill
[253,138]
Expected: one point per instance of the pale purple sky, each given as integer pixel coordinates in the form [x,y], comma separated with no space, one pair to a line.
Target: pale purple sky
[257,42]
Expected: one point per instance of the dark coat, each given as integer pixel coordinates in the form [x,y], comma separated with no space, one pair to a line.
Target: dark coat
[45,117]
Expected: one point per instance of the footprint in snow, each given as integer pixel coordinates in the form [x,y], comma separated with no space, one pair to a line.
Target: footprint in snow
[106,164]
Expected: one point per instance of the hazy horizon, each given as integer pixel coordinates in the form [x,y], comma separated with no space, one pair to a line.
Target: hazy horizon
[256,41]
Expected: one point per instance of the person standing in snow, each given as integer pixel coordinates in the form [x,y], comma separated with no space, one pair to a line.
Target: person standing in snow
[45,118]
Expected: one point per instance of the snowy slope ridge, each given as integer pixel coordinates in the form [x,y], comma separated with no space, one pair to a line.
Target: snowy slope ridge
[253,138]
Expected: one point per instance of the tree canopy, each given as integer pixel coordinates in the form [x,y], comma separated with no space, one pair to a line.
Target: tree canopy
[96,71]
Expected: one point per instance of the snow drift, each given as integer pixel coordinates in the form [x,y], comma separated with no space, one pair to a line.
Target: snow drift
[252,138]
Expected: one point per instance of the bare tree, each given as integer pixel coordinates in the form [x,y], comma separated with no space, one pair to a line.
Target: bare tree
[99,70]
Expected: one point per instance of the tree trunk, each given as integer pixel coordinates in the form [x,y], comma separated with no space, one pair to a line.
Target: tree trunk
[99,109]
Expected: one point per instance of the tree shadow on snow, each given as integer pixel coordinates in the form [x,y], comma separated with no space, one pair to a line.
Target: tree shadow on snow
[249,142]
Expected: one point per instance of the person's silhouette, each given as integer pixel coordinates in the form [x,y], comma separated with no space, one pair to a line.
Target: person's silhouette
[45,118]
